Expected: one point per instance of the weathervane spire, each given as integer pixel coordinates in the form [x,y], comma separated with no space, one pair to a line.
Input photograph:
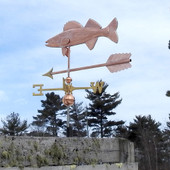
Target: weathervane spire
[74,34]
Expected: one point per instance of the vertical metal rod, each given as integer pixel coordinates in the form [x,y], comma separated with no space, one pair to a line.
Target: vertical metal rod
[87,125]
[68,107]
[68,121]
[68,55]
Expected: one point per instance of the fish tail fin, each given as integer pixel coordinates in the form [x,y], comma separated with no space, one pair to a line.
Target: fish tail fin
[111,29]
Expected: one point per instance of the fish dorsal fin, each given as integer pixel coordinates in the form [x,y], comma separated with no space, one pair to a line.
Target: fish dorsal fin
[71,25]
[91,43]
[92,23]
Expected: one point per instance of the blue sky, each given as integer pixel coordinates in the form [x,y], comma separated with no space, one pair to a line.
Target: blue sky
[143,30]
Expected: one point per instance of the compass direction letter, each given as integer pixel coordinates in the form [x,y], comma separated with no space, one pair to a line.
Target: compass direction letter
[40,89]
[98,86]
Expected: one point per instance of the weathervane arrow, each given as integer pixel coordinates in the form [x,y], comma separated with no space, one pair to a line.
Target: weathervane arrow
[116,62]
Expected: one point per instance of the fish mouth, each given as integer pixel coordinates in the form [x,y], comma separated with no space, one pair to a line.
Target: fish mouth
[47,44]
[50,44]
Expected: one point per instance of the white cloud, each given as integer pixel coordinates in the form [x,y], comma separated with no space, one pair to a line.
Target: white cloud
[21,101]
[3,96]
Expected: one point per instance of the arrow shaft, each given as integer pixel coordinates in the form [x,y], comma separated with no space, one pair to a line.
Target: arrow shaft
[93,66]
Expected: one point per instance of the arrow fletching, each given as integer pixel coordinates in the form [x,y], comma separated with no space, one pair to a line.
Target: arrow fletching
[117,62]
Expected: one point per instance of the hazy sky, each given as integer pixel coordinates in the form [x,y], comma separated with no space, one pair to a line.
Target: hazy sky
[143,30]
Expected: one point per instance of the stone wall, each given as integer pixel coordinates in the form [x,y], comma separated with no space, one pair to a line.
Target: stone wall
[121,166]
[51,151]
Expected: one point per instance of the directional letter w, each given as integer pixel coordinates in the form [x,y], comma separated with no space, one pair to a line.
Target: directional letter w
[98,86]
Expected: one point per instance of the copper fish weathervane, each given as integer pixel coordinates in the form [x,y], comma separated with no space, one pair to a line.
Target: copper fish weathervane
[74,34]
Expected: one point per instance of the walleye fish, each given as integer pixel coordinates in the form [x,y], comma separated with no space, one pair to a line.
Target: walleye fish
[74,33]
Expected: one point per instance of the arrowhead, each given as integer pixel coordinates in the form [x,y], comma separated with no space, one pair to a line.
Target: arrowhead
[49,74]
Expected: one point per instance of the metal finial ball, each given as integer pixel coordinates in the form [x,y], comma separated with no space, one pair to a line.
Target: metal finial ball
[68,80]
[68,100]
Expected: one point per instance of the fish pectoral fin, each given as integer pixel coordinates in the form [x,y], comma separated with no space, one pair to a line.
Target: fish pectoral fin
[72,25]
[66,51]
[93,23]
[91,43]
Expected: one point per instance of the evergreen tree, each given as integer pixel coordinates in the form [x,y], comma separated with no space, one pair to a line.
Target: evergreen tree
[77,120]
[166,140]
[168,93]
[122,131]
[100,110]
[147,137]
[50,115]
[168,123]
[13,126]
[39,126]
[166,137]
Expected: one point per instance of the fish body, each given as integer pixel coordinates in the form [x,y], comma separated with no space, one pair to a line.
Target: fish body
[74,33]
